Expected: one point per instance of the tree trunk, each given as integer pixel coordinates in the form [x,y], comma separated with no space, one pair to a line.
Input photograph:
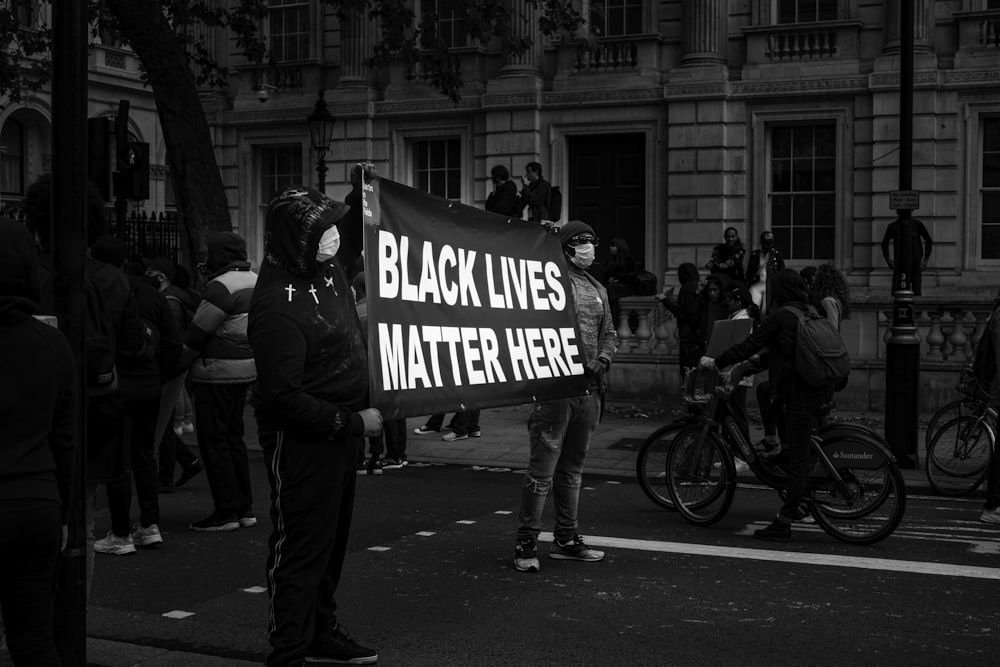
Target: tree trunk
[201,196]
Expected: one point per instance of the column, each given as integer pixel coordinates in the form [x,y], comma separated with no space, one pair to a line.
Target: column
[357,45]
[705,32]
[524,25]
[923,26]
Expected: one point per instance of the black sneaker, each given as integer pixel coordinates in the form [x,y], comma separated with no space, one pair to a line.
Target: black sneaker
[188,473]
[247,518]
[526,555]
[374,465]
[393,464]
[338,647]
[217,522]
[778,531]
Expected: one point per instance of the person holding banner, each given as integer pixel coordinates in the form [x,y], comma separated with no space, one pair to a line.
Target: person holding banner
[312,408]
[559,431]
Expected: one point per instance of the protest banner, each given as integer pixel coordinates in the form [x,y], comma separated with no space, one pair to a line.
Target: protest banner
[466,309]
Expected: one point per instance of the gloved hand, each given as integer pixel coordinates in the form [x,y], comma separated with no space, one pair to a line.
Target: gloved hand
[597,367]
[706,363]
[372,419]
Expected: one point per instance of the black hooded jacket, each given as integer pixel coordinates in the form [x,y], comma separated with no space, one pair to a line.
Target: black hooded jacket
[777,333]
[312,361]
[37,382]
[690,307]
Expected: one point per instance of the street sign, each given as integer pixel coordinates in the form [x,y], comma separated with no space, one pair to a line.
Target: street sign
[904,200]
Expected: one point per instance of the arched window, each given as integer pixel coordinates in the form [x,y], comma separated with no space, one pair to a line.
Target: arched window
[12,158]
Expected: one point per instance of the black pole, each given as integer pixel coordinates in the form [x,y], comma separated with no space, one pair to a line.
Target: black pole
[902,369]
[121,138]
[321,171]
[69,252]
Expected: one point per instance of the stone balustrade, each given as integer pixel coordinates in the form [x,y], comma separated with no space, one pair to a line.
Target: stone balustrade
[610,54]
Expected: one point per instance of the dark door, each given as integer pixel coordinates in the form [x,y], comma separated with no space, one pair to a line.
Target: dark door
[607,190]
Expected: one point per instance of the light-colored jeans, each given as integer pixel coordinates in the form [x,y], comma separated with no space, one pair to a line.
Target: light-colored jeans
[559,433]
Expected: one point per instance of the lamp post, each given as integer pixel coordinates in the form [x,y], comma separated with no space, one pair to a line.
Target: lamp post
[321,123]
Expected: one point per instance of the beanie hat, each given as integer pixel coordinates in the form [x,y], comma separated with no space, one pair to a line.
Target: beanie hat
[571,229]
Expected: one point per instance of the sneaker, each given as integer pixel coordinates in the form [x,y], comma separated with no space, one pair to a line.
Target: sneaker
[452,437]
[247,519]
[146,537]
[393,464]
[374,466]
[187,427]
[779,531]
[742,467]
[337,646]
[188,473]
[990,516]
[802,514]
[526,555]
[475,433]
[575,549]
[361,468]
[112,544]
[215,523]
[179,431]
[424,430]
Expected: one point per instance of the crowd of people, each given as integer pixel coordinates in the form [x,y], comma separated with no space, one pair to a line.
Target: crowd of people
[292,342]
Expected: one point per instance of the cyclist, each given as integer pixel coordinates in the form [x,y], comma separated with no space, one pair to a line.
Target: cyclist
[800,402]
[989,373]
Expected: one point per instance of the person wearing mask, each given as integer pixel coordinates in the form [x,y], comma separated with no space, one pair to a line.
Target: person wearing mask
[689,309]
[727,257]
[536,193]
[221,369]
[38,408]
[161,273]
[559,431]
[777,333]
[312,410]
[764,262]
[503,200]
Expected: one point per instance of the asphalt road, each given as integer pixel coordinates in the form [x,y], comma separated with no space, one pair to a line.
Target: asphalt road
[429,581]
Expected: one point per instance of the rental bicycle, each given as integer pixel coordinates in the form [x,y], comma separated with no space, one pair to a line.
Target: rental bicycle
[855,490]
[961,439]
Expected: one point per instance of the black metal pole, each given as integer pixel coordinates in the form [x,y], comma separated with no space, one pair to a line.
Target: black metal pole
[902,369]
[321,171]
[69,252]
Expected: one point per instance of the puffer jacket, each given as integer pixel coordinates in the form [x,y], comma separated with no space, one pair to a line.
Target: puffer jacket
[311,354]
[216,343]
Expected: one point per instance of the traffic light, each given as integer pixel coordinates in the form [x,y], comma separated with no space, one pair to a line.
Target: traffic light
[132,173]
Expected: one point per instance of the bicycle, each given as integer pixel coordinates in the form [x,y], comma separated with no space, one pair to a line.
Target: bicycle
[959,451]
[651,462]
[855,490]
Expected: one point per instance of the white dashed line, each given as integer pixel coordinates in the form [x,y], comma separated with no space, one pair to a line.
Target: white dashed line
[178,614]
[466,522]
[255,589]
[378,548]
[425,533]
[503,512]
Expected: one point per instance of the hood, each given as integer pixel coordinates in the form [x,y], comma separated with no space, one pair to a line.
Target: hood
[20,273]
[788,286]
[296,219]
[226,250]
[687,272]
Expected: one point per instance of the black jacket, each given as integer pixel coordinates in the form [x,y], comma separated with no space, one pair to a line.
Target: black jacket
[505,201]
[38,421]
[312,361]
[161,360]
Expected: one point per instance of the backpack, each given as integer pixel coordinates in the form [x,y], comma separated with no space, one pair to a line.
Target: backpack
[821,357]
[99,339]
[186,313]
[555,204]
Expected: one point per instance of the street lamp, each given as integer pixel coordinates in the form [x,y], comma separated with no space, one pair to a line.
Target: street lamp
[320,134]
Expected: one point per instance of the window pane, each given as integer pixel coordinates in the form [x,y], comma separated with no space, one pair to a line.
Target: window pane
[781,142]
[12,162]
[991,242]
[616,17]
[802,243]
[991,133]
[781,176]
[824,243]
[991,170]
[437,167]
[288,30]
[991,208]
[280,167]
[781,212]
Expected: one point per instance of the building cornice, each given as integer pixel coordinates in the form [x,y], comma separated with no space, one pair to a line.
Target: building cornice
[601,97]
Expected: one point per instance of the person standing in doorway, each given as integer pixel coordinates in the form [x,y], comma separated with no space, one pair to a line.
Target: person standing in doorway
[559,431]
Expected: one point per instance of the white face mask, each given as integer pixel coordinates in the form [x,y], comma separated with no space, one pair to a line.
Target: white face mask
[329,244]
[583,255]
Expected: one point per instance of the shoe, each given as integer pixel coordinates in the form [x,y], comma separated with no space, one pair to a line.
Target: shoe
[452,437]
[423,430]
[526,555]
[247,519]
[393,464]
[575,549]
[179,431]
[990,516]
[476,433]
[802,514]
[188,473]
[779,531]
[765,448]
[374,466]
[338,647]
[361,468]
[146,537]
[112,544]
[742,467]
[187,427]
[215,523]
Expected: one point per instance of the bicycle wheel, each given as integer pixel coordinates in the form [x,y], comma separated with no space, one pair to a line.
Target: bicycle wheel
[959,455]
[701,476]
[871,502]
[651,464]
[944,414]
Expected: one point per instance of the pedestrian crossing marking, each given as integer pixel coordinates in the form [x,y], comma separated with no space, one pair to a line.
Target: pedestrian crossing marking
[178,614]
[832,560]
[425,533]
[503,512]
[255,589]
[465,522]
[378,548]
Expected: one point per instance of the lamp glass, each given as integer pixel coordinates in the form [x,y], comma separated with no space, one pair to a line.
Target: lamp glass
[321,123]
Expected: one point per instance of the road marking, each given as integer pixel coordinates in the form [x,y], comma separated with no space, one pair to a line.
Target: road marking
[255,589]
[503,512]
[178,614]
[465,522]
[425,533]
[378,548]
[832,560]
